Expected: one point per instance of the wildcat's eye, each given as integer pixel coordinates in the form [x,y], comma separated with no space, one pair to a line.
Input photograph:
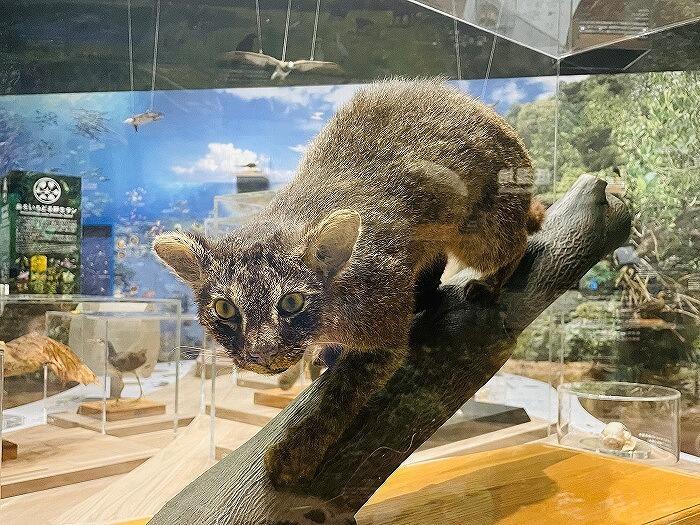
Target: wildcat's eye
[224,309]
[291,303]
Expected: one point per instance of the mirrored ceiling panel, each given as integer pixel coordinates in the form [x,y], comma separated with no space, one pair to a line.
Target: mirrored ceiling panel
[101,45]
[51,46]
[563,27]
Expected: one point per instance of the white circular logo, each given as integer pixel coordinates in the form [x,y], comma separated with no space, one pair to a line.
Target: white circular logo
[47,190]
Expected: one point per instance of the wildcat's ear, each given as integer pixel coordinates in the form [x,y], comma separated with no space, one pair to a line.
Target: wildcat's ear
[186,254]
[329,245]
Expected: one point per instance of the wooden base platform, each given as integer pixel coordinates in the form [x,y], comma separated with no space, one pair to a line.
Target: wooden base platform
[240,407]
[534,483]
[276,397]
[119,410]
[146,489]
[126,427]
[9,450]
[52,457]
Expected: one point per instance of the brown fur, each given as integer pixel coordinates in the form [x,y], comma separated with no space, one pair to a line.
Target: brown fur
[404,174]
[428,169]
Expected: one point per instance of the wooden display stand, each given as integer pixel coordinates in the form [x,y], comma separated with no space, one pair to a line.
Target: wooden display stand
[53,457]
[122,409]
[532,483]
[526,483]
[276,397]
[9,450]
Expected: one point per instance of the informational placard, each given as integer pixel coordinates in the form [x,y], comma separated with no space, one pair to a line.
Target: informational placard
[40,233]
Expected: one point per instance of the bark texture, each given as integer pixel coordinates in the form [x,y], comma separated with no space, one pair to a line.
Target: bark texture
[458,343]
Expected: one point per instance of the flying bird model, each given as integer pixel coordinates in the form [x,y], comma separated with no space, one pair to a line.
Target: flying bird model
[284,68]
[144,118]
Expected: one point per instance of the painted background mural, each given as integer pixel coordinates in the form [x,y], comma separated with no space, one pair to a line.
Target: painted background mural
[166,175]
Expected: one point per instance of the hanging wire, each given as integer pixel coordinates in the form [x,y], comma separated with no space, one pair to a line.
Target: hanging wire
[131,47]
[313,38]
[257,15]
[456,31]
[286,30]
[493,50]
[155,52]
[131,55]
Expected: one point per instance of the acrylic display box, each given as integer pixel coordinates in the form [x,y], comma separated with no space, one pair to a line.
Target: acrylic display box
[627,420]
[232,210]
[81,374]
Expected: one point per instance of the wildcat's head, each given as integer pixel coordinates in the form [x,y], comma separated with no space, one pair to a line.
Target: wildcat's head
[262,293]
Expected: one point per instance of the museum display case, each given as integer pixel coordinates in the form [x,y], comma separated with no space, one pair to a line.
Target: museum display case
[582,375]
[80,373]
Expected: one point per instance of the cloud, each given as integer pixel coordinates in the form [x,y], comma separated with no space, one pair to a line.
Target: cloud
[299,148]
[324,98]
[338,95]
[507,94]
[219,163]
[279,177]
[293,96]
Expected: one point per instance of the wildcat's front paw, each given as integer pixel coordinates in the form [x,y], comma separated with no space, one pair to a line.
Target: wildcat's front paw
[290,462]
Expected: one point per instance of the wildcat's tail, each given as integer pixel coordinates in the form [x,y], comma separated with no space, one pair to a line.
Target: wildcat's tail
[535,216]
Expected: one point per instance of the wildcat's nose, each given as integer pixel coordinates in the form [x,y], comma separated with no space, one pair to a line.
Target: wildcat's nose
[266,357]
[262,355]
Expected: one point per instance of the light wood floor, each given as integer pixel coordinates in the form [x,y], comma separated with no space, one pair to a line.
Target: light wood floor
[507,486]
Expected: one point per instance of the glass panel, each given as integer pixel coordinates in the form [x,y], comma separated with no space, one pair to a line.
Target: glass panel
[635,316]
[563,27]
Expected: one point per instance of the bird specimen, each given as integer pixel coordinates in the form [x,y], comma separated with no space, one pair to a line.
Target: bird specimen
[143,118]
[284,67]
[247,43]
[128,361]
[150,115]
[30,352]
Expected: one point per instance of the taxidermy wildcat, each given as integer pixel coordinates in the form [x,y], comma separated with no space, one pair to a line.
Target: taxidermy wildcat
[406,173]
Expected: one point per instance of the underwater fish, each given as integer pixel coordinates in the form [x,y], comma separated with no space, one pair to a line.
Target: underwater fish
[144,118]
[284,68]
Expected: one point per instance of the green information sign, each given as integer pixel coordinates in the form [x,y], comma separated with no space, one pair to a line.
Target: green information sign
[40,231]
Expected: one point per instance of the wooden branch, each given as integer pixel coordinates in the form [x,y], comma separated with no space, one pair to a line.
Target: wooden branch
[457,345]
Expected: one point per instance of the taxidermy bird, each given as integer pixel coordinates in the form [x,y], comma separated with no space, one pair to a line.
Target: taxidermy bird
[128,361]
[30,352]
[402,175]
[247,43]
[283,69]
[144,118]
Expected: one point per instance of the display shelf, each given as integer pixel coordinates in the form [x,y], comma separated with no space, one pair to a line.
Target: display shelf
[121,428]
[51,457]
[531,483]
[144,490]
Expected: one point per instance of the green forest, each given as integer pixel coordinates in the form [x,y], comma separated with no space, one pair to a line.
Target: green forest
[637,319]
